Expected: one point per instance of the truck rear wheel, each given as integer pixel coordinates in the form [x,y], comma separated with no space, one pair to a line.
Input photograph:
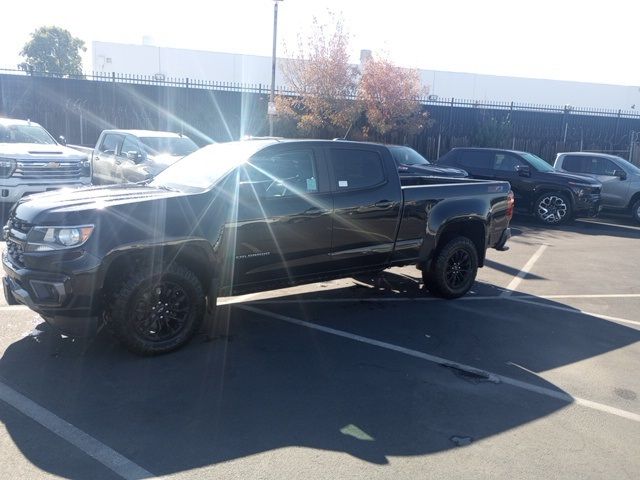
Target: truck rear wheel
[453,269]
[155,312]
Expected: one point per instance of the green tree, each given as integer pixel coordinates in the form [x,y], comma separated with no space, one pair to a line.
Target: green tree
[53,50]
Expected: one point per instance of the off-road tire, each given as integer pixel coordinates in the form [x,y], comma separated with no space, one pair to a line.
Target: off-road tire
[453,269]
[142,298]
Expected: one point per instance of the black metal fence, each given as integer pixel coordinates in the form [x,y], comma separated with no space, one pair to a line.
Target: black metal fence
[80,107]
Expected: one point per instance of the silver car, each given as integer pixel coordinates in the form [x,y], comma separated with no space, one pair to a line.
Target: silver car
[620,179]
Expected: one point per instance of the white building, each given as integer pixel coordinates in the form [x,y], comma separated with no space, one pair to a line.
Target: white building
[252,69]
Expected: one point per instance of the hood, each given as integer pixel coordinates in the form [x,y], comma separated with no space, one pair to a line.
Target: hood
[36,151]
[68,206]
[570,177]
[432,170]
[165,159]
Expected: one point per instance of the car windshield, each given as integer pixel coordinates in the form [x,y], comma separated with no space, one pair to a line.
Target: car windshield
[205,167]
[168,145]
[538,163]
[407,156]
[25,134]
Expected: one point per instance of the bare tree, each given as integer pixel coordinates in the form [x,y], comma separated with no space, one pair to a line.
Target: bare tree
[322,82]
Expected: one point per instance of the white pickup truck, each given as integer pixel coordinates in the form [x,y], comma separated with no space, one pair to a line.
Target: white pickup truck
[31,161]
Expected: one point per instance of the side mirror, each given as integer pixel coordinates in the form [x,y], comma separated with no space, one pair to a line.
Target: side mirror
[523,170]
[621,174]
[135,156]
[62,140]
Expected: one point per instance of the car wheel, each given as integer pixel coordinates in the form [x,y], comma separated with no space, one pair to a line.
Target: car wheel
[553,208]
[453,270]
[156,312]
[635,210]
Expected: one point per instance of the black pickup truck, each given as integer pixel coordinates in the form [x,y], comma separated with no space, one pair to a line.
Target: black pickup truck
[150,259]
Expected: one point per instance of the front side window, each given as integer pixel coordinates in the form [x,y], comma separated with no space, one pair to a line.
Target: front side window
[110,143]
[603,166]
[475,159]
[537,163]
[354,169]
[282,174]
[506,162]
[25,134]
[130,144]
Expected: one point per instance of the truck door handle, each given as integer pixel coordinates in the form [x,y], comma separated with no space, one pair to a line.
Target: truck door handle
[383,204]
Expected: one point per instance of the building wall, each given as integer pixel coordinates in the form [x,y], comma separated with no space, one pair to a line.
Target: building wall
[253,69]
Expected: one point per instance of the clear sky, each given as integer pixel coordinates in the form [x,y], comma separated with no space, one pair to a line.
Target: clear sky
[584,40]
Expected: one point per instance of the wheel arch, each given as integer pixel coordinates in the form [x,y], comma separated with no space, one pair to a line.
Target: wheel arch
[474,229]
[196,255]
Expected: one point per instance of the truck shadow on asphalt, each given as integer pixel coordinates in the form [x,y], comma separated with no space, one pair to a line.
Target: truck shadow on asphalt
[262,384]
[610,226]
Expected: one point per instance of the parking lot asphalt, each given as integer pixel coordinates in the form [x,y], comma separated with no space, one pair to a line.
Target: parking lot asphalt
[531,375]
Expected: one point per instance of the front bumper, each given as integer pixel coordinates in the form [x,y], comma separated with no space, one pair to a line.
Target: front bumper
[66,303]
[587,205]
[11,194]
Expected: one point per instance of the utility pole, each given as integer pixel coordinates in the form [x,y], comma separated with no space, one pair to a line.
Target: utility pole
[271,110]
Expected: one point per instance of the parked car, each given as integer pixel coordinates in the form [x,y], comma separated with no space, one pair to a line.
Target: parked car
[620,179]
[551,196]
[241,217]
[410,162]
[125,156]
[31,161]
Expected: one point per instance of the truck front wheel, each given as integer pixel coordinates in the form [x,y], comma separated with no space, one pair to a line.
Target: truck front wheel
[157,311]
[453,269]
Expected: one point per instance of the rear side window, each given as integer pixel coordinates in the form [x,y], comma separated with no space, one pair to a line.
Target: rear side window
[355,169]
[476,159]
[110,143]
[576,164]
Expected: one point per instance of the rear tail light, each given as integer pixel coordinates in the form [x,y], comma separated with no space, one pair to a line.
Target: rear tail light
[511,203]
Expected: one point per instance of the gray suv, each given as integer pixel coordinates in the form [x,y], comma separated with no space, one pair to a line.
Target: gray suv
[620,179]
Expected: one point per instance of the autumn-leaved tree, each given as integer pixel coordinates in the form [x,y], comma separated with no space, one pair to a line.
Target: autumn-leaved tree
[389,96]
[53,50]
[322,82]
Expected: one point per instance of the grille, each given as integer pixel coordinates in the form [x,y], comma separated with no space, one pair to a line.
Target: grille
[17,224]
[15,252]
[48,170]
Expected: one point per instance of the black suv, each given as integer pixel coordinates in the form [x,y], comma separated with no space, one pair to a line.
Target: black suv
[553,197]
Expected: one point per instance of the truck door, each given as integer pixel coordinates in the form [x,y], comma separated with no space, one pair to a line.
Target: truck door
[129,160]
[283,227]
[367,200]
[104,159]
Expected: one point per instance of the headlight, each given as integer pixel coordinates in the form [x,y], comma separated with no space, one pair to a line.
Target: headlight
[7,167]
[44,239]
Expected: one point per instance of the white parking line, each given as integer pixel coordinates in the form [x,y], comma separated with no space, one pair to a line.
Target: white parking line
[513,284]
[628,227]
[490,376]
[76,437]
[531,301]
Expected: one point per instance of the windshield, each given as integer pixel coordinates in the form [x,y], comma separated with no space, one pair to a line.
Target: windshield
[25,134]
[203,168]
[168,145]
[538,163]
[407,156]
